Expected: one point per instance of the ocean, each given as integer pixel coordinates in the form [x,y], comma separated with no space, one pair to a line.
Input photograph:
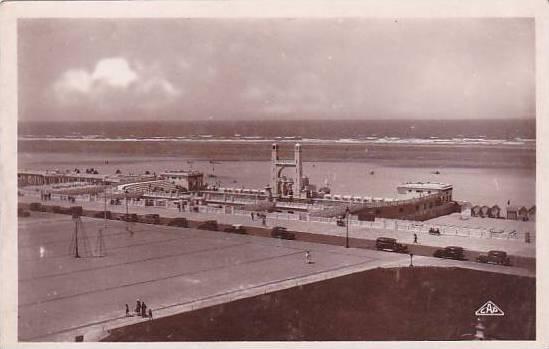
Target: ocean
[373,131]
[488,162]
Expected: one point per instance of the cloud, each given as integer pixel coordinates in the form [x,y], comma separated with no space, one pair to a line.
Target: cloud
[115,72]
[113,84]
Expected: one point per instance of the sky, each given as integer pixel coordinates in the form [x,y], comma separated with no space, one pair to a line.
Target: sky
[259,69]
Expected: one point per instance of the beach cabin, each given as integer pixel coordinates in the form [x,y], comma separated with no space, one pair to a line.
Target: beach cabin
[523,214]
[512,212]
[532,213]
[495,212]
[484,211]
[475,211]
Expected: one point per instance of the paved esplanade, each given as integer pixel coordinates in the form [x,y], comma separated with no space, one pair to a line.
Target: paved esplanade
[170,269]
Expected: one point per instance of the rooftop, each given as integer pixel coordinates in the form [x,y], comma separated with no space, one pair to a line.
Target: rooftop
[183,173]
[426,185]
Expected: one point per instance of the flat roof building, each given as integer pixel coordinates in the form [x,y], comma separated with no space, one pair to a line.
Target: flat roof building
[190,180]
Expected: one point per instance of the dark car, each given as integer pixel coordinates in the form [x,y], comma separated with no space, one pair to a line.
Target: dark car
[208,225]
[450,252]
[101,214]
[236,229]
[128,217]
[21,212]
[179,222]
[390,244]
[282,233]
[495,257]
[35,206]
[152,218]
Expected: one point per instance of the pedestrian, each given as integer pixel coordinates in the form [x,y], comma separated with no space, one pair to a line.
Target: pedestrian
[252,214]
[143,309]
[127,310]
[138,307]
[415,238]
[308,257]
[264,221]
[150,314]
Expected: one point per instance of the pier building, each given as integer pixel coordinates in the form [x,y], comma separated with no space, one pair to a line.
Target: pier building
[289,192]
[189,180]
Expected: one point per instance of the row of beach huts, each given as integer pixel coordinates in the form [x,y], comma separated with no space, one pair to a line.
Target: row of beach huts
[520,213]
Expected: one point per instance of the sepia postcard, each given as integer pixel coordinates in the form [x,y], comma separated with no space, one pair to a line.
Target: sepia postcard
[274,174]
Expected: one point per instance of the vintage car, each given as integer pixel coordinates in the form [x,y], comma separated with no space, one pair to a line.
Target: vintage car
[282,233]
[390,244]
[235,228]
[495,257]
[21,212]
[128,217]
[102,214]
[450,252]
[179,222]
[208,225]
[152,218]
[35,206]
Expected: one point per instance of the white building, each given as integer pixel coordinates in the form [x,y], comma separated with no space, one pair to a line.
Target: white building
[426,188]
[190,180]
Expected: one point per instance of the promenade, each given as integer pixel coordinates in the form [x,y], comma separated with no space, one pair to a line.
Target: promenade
[516,247]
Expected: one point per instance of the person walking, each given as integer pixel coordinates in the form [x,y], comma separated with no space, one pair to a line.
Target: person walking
[150,314]
[252,214]
[415,238]
[143,309]
[138,307]
[127,310]
[308,259]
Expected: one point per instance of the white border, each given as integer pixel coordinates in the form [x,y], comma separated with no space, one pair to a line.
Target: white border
[10,11]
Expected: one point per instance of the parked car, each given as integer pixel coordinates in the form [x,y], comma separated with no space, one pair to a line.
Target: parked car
[152,218]
[101,214]
[21,212]
[235,228]
[282,233]
[390,244]
[77,211]
[128,217]
[56,209]
[179,222]
[35,206]
[495,257]
[208,225]
[450,252]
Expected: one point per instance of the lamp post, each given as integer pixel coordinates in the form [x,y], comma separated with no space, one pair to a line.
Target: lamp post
[347,213]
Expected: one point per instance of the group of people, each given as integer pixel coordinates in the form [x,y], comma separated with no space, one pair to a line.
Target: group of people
[261,216]
[434,231]
[140,310]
